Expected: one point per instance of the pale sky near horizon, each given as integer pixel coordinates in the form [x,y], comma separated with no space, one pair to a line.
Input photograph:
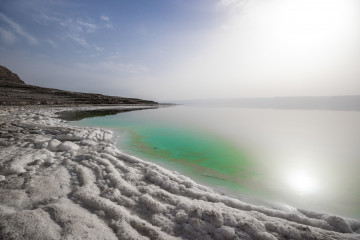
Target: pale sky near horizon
[185,49]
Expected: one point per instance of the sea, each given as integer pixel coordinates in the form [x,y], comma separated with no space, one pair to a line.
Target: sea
[280,158]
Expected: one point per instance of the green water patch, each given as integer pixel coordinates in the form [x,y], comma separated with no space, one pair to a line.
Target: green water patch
[192,148]
[193,152]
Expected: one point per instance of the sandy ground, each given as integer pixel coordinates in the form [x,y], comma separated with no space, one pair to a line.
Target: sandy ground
[63,182]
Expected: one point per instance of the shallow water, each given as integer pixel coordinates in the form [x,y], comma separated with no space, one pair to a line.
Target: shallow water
[308,159]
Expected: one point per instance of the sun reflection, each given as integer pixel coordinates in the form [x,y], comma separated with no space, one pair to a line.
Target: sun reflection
[302,182]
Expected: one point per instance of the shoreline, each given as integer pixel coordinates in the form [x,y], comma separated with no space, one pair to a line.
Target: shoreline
[61,181]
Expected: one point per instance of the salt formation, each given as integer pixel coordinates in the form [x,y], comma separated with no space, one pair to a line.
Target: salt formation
[64,182]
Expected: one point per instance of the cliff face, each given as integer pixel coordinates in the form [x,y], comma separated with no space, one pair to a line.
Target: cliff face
[8,76]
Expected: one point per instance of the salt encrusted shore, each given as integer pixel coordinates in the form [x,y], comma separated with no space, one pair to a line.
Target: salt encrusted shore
[64,182]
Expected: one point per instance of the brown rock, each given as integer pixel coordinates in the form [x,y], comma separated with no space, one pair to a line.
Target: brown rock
[8,76]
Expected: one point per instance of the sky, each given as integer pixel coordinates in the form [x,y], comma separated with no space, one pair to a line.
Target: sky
[185,49]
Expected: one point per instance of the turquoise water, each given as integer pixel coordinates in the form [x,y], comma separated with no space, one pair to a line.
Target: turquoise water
[197,153]
[307,159]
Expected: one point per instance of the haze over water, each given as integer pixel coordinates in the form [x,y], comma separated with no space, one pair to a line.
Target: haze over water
[301,158]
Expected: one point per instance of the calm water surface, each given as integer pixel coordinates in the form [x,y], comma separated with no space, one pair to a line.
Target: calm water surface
[308,159]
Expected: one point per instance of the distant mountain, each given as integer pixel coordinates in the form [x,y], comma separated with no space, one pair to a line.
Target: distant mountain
[343,103]
[14,91]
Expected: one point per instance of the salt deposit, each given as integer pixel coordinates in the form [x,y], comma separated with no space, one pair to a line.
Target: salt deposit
[64,182]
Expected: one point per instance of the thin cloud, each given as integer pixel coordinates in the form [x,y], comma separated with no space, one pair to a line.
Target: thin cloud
[75,30]
[107,21]
[231,3]
[232,7]
[52,43]
[99,49]
[75,26]
[82,42]
[71,24]
[18,29]
[79,40]
[45,19]
[105,18]
[7,36]
[85,26]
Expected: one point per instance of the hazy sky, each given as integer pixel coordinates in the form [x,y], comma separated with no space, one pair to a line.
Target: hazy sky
[185,49]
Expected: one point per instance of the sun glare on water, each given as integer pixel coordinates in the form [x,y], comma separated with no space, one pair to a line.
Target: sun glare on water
[302,182]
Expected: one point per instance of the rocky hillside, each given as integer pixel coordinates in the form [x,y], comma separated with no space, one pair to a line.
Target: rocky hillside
[7,76]
[14,91]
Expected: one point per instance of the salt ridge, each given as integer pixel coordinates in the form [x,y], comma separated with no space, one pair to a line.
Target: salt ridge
[65,182]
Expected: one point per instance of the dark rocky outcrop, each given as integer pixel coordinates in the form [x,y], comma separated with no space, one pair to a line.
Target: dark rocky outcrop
[13,91]
[8,76]
[78,115]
